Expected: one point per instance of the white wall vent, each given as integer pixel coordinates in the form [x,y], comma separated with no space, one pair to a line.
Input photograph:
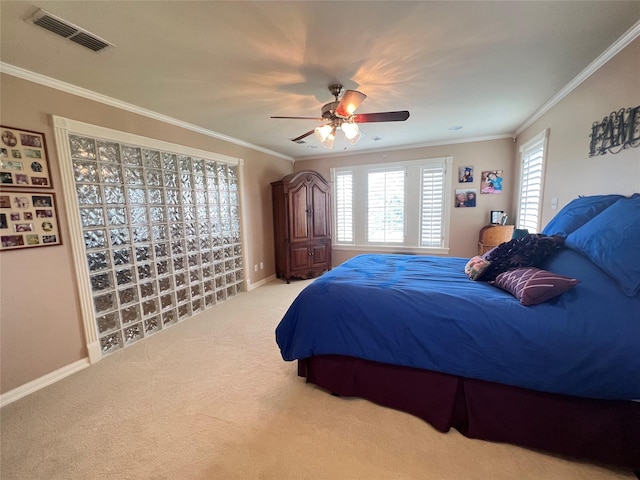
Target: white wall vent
[68,30]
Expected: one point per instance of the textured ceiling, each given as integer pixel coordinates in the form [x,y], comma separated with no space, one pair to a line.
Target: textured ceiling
[228,66]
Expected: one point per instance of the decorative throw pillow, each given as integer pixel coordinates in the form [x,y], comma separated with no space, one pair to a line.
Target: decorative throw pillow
[519,233]
[532,285]
[475,267]
[578,212]
[611,240]
[529,251]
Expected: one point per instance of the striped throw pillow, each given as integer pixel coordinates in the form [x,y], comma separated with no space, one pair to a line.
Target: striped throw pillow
[532,285]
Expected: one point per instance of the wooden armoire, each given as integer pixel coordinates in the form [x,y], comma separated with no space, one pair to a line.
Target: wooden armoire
[302,225]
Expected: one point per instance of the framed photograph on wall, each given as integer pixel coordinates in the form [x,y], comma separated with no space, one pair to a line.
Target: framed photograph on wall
[465,197]
[491,182]
[28,219]
[465,174]
[23,159]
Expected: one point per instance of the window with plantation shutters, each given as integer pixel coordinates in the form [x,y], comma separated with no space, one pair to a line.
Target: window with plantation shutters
[400,206]
[344,207]
[531,179]
[432,206]
[385,206]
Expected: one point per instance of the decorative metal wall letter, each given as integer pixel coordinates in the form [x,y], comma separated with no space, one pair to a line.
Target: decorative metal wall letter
[615,132]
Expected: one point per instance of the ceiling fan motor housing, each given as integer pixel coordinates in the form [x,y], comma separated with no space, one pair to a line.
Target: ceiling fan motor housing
[329,110]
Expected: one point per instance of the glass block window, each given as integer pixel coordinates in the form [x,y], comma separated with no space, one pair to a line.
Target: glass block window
[161,235]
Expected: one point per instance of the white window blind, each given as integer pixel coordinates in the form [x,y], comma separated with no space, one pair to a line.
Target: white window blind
[344,207]
[432,206]
[385,206]
[531,178]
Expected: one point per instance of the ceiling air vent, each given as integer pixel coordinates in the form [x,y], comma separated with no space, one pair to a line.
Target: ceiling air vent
[68,30]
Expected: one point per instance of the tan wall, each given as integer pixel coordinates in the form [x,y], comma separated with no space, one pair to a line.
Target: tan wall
[570,172]
[41,329]
[465,222]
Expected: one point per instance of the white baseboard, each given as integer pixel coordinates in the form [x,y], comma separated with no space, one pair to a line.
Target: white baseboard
[94,356]
[44,381]
[251,286]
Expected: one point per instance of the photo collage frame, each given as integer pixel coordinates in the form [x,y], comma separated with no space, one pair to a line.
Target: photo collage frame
[23,159]
[28,219]
[28,215]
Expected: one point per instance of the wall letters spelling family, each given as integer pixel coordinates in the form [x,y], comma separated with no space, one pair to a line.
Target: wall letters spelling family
[615,132]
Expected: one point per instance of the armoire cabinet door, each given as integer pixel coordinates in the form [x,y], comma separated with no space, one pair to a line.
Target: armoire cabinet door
[320,207]
[320,255]
[299,213]
[300,257]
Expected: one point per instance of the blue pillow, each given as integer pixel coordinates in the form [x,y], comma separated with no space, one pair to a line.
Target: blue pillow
[611,240]
[578,212]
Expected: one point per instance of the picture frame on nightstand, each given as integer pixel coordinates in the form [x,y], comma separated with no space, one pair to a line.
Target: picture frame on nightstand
[497,217]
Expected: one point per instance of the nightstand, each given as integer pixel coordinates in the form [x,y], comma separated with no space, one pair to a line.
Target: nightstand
[493,235]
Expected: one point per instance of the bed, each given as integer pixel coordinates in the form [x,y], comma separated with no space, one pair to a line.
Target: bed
[416,333]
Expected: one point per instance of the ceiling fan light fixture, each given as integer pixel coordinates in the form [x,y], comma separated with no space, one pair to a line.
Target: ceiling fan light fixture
[339,114]
[351,131]
[328,141]
[355,139]
[323,131]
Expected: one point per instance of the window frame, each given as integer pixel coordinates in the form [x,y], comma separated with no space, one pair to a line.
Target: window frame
[540,141]
[413,206]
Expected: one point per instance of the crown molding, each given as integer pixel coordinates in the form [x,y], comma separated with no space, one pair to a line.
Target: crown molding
[594,66]
[410,147]
[97,97]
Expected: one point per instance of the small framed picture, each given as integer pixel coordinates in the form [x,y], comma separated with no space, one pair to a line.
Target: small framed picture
[491,182]
[465,197]
[498,217]
[465,175]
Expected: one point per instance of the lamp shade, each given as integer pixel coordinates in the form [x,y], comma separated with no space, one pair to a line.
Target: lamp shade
[323,132]
[351,130]
[328,141]
[349,102]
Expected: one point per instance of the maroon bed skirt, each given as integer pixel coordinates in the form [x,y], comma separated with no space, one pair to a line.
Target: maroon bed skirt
[603,431]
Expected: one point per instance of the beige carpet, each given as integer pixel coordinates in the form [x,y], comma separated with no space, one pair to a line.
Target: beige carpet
[211,398]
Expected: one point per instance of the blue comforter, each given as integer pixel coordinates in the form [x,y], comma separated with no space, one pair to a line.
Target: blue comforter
[424,312]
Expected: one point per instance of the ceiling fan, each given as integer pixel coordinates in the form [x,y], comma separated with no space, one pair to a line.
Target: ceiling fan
[340,115]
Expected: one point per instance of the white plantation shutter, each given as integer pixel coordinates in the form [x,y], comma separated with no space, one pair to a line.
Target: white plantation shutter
[432,206]
[344,207]
[385,206]
[531,178]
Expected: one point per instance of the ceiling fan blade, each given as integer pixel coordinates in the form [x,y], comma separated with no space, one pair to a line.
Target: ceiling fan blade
[349,102]
[304,135]
[302,118]
[400,116]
